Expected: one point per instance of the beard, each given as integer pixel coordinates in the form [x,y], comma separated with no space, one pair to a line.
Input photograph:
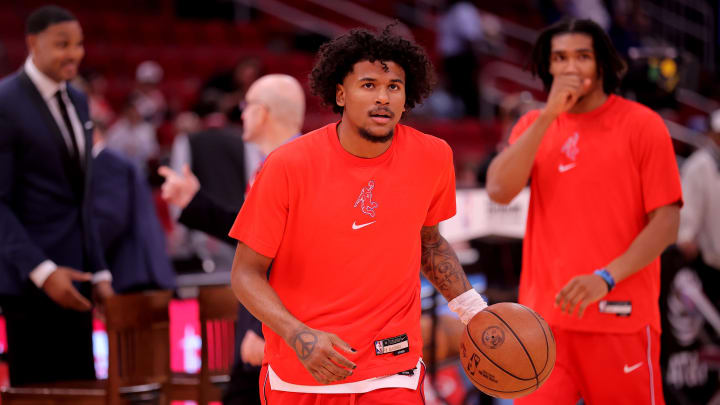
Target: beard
[375,138]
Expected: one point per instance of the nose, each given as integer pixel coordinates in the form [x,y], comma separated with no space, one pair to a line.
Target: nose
[77,54]
[382,97]
[571,66]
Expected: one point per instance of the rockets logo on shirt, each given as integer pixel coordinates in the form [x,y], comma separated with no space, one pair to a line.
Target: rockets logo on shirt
[367,205]
[570,148]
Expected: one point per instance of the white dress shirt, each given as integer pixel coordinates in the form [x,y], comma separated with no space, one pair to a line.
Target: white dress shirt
[47,88]
[700,215]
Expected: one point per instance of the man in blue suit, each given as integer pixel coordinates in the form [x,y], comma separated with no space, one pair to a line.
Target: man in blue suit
[130,233]
[50,258]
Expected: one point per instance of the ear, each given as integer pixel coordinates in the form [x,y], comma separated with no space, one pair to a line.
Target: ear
[264,114]
[30,41]
[340,95]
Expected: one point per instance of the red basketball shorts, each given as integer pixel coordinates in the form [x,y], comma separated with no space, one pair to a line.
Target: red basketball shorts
[603,368]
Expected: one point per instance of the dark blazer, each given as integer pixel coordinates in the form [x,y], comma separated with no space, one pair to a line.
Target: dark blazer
[218,161]
[205,213]
[128,227]
[44,198]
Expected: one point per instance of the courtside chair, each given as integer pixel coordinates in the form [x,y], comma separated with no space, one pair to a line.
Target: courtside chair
[218,308]
[138,329]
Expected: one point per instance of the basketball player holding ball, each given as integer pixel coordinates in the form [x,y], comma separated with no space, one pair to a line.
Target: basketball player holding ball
[605,200]
[348,214]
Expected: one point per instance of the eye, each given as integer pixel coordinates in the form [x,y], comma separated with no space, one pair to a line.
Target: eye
[368,85]
[394,87]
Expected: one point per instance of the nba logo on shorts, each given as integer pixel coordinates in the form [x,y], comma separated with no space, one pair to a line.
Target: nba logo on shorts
[378,347]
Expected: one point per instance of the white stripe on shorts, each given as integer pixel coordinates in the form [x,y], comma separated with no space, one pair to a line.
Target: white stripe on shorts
[650,365]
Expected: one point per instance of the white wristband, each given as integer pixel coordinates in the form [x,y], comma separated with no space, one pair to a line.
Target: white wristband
[467,304]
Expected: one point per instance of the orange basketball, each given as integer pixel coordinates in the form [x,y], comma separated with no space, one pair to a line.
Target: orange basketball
[507,350]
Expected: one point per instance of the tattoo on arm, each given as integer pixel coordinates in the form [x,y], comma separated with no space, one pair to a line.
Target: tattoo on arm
[304,343]
[440,264]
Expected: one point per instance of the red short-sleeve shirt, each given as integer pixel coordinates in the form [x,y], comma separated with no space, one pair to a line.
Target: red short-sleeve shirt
[595,178]
[344,233]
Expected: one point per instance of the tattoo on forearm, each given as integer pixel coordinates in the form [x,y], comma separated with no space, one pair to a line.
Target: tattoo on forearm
[304,343]
[440,264]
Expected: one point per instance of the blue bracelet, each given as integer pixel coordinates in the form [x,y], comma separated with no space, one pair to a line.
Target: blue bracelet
[609,280]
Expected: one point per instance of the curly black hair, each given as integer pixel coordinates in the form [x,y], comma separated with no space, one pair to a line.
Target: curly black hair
[337,58]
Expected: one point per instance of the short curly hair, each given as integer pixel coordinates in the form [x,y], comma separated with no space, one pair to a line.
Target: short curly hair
[336,60]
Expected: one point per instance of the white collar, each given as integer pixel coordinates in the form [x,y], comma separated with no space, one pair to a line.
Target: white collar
[98,148]
[45,85]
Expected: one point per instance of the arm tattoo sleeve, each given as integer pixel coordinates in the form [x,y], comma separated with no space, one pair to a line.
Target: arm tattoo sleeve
[440,265]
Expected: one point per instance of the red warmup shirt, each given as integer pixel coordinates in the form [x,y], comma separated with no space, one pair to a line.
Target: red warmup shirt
[595,178]
[344,233]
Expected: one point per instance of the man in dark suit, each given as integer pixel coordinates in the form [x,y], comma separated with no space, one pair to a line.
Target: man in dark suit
[130,233]
[273,113]
[48,250]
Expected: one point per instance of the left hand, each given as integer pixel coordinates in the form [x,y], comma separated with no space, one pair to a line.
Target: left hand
[252,348]
[580,290]
[100,293]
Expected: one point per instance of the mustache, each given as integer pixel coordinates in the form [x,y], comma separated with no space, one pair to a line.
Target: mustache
[382,110]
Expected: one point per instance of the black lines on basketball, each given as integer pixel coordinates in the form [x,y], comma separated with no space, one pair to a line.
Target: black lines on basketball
[532,363]
[502,349]
[540,321]
[493,362]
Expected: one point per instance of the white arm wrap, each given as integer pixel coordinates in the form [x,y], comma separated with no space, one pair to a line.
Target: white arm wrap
[467,304]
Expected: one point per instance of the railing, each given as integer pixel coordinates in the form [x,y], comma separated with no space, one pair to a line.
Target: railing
[295,17]
[362,14]
[682,21]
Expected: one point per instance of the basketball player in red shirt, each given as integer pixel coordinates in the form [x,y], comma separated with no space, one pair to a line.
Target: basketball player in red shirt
[605,200]
[348,214]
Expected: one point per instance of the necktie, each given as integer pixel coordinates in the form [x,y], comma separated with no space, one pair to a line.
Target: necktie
[75,152]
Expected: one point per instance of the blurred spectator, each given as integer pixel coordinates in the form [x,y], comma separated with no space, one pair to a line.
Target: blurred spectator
[628,24]
[149,100]
[511,108]
[590,10]
[229,87]
[556,10]
[699,234]
[94,85]
[131,235]
[222,162]
[133,137]
[272,116]
[100,108]
[691,374]
[460,32]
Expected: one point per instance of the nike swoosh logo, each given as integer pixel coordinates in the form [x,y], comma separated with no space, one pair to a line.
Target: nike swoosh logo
[356,226]
[564,168]
[629,369]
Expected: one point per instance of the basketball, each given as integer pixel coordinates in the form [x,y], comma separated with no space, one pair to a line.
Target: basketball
[507,350]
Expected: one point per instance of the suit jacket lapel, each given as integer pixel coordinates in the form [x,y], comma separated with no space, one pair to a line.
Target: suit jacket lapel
[51,124]
[45,113]
[87,128]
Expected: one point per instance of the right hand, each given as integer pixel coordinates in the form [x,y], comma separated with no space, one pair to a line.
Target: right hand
[60,289]
[565,92]
[316,351]
[178,189]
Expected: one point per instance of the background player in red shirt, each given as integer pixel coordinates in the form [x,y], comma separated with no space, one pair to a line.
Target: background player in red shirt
[605,199]
[341,308]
